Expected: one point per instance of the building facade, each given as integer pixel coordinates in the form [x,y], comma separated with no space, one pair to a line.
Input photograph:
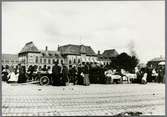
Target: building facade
[76,54]
[106,57]
[9,59]
[154,62]
[30,55]
[68,54]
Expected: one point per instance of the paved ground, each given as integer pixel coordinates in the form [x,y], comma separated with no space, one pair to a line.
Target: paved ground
[96,99]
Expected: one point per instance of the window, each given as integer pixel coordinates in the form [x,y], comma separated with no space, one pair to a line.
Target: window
[79,60]
[69,61]
[40,60]
[53,61]
[74,61]
[36,60]
[7,61]
[48,61]
[45,61]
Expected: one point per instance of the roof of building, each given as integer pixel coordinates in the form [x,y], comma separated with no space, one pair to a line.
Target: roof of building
[110,53]
[51,53]
[10,57]
[76,50]
[158,59]
[29,47]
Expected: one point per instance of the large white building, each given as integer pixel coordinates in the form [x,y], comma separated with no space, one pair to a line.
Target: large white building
[68,54]
[75,54]
[30,55]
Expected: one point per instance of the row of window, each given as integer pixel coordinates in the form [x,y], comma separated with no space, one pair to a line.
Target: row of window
[51,55]
[74,61]
[9,61]
[46,60]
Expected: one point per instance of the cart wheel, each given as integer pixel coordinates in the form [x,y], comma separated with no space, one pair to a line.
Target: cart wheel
[44,80]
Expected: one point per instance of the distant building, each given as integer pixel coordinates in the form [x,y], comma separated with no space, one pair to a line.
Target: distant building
[68,54]
[155,61]
[9,59]
[107,56]
[30,55]
[75,54]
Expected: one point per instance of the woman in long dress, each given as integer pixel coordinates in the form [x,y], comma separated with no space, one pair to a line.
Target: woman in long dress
[144,78]
[13,76]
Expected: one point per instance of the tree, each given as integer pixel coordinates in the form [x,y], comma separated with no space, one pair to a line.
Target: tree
[125,61]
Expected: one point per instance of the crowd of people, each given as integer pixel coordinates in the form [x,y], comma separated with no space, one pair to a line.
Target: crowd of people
[80,74]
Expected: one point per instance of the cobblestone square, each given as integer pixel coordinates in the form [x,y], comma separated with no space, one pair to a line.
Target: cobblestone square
[96,99]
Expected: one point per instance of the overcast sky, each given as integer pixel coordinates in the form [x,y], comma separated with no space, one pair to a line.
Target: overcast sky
[101,25]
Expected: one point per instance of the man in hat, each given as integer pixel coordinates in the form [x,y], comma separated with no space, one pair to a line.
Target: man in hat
[56,74]
[79,75]
[73,74]
[85,69]
[65,77]
[22,74]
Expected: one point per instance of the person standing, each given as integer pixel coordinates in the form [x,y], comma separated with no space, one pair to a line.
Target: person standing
[5,73]
[144,78]
[65,73]
[101,75]
[56,74]
[154,75]
[80,75]
[30,71]
[70,74]
[161,73]
[73,74]
[22,74]
[86,81]
[13,75]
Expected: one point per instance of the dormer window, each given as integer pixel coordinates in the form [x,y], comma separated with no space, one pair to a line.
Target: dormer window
[82,49]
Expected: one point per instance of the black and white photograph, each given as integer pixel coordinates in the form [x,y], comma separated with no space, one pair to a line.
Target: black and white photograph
[83,58]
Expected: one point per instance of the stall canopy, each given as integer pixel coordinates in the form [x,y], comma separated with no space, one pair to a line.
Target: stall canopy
[161,63]
[94,60]
[83,59]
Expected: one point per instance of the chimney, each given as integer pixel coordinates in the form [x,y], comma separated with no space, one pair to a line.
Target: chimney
[58,48]
[98,52]
[46,48]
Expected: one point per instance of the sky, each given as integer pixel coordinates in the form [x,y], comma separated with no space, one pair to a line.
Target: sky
[120,25]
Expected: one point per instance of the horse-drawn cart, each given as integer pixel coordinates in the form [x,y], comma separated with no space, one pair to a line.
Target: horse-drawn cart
[42,77]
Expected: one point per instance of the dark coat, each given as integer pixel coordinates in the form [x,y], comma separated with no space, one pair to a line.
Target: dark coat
[56,75]
[65,73]
[22,75]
